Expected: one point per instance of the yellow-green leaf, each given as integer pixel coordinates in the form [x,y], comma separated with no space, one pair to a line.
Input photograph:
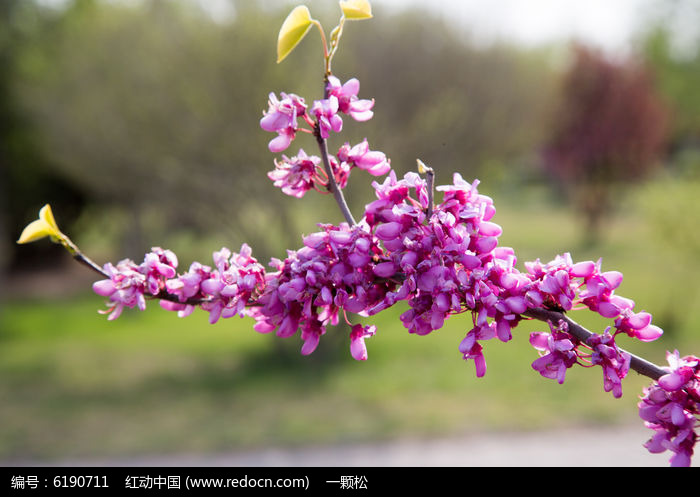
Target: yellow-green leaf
[47,215]
[36,230]
[355,10]
[422,168]
[42,227]
[293,30]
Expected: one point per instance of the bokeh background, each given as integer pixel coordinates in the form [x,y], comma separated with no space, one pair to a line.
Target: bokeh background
[138,122]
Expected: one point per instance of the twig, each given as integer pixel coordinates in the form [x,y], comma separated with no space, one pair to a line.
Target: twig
[86,261]
[332,185]
[75,252]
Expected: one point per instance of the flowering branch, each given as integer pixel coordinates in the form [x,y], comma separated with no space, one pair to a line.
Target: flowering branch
[443,259]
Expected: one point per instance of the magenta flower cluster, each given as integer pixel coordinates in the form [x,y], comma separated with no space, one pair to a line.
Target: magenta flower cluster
[301,173]
[297,175]
[129,283]
[224,291]
[333,273]
[558,351]
[671,408]
[445,265]
[283,114]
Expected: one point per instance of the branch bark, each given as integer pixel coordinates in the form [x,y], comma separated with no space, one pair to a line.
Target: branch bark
[332,185]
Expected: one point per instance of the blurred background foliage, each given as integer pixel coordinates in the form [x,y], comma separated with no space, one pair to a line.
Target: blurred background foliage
[138,122]
[149,112]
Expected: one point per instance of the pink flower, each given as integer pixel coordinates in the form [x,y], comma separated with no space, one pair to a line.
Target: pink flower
[559,350]
[358,349]
[326,114]
[125,288]
[472,349]
[615,363]
[348,102]
[638,325]
[297,175]
[671,408]
[375,163]
[157,266]
[311,333]
[281,117]
[683,371]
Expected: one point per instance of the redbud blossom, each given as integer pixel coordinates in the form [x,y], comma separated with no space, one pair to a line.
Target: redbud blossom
[348,102]
[558,350]
[671,407]
[297,175]
[358,349]
[615,363]
[326,114]
[281,117]
[375,163]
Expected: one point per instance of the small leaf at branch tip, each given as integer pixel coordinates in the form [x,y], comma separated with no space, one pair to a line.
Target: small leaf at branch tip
[47,215]
[293,30]
[422,168]
[356,10]
[42,227]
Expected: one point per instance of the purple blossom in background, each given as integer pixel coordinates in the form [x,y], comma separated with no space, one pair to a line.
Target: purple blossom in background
[341,172]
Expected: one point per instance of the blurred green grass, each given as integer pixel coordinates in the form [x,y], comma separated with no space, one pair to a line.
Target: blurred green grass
[76,386]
